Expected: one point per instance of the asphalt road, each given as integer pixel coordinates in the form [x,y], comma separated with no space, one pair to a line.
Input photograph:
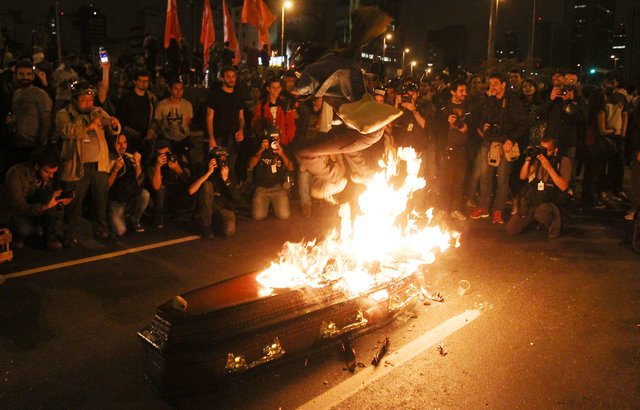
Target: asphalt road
[554,324]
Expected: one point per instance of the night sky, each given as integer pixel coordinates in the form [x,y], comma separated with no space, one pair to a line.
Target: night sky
[418,16]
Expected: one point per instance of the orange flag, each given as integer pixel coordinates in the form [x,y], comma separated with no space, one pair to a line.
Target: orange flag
[230,33]
[208,34]
[172,25]
[256,13]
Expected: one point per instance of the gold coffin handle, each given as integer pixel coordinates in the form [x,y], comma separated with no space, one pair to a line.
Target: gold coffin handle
[238,363]
[398,302]
[329,330]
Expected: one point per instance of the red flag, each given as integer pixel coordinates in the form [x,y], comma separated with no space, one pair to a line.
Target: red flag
[172,25]
[208,34]
[230,33]
[256,13]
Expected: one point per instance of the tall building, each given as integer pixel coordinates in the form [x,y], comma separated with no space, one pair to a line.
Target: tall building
[592,25]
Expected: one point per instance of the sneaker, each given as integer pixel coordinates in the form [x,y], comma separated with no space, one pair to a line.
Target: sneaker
[479,213]
[629,216]
[322,188]
[54,244]
[71,243]
[470,204]
[138,227]
[458,216]
[159,222]
[620,196]
[598,204]
[306,210]
[604,196]
[497,218]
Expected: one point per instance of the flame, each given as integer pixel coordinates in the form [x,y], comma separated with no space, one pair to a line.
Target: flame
[384,242]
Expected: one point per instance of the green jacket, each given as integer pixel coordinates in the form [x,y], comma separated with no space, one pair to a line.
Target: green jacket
[72,127]
[18,193]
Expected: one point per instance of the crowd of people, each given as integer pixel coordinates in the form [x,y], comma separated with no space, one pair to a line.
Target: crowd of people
[497,146]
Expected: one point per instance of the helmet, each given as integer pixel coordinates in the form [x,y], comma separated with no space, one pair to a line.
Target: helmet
[82,87]
[306,54]
[380,90]
[408,87]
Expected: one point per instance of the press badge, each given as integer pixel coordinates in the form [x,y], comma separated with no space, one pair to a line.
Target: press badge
[540,186]
[410,127]
[274,169]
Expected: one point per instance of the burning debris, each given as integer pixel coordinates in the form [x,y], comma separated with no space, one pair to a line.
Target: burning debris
[381,352]
[440,348]
[427,297]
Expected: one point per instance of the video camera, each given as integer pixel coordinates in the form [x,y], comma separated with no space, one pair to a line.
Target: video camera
[460,121]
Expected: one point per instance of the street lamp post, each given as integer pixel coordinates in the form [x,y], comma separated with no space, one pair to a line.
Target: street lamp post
[384,44]
[285,5]
[533,33]
[615,61]
[405,51]
[413,63]
[493,21]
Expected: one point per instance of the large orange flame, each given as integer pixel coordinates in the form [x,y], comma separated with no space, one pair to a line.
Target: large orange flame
[383,243]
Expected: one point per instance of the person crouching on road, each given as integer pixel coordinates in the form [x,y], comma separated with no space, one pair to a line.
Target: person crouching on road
[542,198]
[128,197]
[216,196]
[31,201]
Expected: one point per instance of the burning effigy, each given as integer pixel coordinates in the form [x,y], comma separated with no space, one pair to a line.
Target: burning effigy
[359,277]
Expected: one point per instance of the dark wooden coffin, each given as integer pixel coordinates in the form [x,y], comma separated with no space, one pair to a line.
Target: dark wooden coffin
[227,328]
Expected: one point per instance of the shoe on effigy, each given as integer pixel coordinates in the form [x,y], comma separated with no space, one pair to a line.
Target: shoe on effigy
[322,188]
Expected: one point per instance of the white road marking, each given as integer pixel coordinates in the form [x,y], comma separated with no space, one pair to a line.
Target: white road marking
[368,375]
[99,257]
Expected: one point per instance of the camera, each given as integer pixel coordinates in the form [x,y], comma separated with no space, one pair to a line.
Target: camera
[493,131]
[533,152]
[66,194]
[406,98]
[273,144]
[220,155]
[171,157]
[460,121]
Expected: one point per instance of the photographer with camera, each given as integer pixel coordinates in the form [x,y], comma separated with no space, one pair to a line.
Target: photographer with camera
[85,157]
[269,165]
[454,126]
[503,122]
[548,174]
[168,176]
[564,112]
[125,189]
[217,195]
[270,116]
[31,200]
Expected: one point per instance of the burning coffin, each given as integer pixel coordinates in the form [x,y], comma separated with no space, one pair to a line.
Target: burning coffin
[208,334]
[358,277]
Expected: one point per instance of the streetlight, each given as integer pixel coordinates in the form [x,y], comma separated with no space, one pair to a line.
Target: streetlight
[384,44]
[615,61]
[533,34]
[493,21]
[413,63]
[405,51]
[285,5]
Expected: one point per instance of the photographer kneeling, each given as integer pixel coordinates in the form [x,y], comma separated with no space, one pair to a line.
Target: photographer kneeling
[540,200]
[269,165]
[216,196]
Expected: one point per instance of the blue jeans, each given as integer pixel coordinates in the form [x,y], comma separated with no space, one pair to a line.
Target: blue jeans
[487,174]
[276,196]
[135,206]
